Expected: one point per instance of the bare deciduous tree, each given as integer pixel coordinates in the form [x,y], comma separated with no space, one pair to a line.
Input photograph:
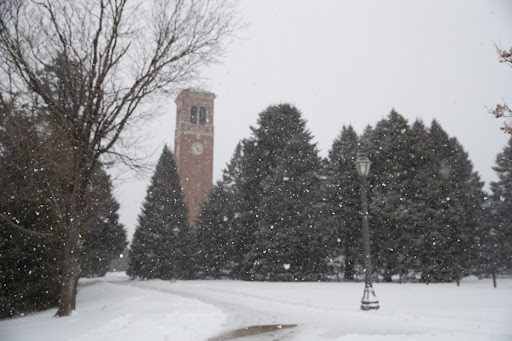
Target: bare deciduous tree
[503,110]
[94,64]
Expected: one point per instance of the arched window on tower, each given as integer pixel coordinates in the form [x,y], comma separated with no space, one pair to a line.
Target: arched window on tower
[202,116]
[193,114]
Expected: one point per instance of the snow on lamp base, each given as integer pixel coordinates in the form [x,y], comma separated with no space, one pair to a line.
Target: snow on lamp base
[369,301]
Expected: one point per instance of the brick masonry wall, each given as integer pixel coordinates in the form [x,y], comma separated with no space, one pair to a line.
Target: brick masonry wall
[195,167]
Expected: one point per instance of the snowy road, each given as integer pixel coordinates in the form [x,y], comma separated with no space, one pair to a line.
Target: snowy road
[115,308]
[331,310]
[241,310]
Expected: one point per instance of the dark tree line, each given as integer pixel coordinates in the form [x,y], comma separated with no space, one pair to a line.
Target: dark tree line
[280,213]
[33,159]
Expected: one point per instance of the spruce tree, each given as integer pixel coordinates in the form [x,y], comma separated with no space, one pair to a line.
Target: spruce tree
[289,242]
[30,271]
[32,153]
[221,243]
[30,258]
[456,172]
[436,214]
[261,153]
[500,233]
[343,201]
[389,144]
[235,203]
[215,235]
[159,247]
[106,238]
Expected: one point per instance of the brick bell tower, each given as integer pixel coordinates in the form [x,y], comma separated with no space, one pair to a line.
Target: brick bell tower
[193,147]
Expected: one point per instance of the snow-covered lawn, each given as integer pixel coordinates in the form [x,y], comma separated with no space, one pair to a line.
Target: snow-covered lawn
[115,308]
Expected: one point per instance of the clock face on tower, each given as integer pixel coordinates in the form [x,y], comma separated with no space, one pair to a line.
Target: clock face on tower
[197,148]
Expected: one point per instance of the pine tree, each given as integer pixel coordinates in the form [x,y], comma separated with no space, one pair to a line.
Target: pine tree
[456,171]
[32,153]
[289,242]
[215,236]
[29,257]
[107,236]
[391,168]
[258,157]
[221,242]
[159,246]
[343,200]
[436,214]
[235,203]
[501,211]
[261,153]
[30,271]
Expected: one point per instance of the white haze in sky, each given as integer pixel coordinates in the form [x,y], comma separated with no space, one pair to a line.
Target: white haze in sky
[351,62]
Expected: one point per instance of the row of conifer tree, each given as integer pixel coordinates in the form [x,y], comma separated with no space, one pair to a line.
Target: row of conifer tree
[279,213]
[282,213]
[34,159]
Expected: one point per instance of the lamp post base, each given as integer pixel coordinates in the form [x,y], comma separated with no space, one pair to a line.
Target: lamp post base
[369,301]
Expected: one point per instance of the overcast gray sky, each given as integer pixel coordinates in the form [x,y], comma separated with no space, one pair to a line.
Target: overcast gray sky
[351,62]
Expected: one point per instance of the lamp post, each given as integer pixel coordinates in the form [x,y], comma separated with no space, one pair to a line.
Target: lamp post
[369,300]
[492,235]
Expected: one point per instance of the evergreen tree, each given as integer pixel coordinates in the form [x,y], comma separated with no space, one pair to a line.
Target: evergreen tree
[30,271]
[221,242]
[489,244]
[425,200]
[31,155]
[501,212]
[255,165]
[161,242]
[29,254]
[343,200]
[456,171]
[289,242]
[261,153]
[106,238]
[215,235]
[436,214]
[235,203]
[388,151]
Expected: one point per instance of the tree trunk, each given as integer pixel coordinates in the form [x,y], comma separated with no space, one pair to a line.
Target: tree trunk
[426,277]
[388,275]
[71,239]
[70,270]
[349,268]
[458,275]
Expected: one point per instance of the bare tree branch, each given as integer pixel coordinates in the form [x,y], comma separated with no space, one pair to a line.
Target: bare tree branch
[54,202]
[503,110]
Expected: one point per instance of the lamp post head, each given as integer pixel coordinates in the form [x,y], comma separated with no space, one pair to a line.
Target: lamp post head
[363,165]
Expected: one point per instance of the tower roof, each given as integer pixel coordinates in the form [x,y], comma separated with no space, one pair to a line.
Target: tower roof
[196,93]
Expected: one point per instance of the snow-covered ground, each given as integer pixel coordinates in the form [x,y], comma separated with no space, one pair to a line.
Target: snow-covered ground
[115,308]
